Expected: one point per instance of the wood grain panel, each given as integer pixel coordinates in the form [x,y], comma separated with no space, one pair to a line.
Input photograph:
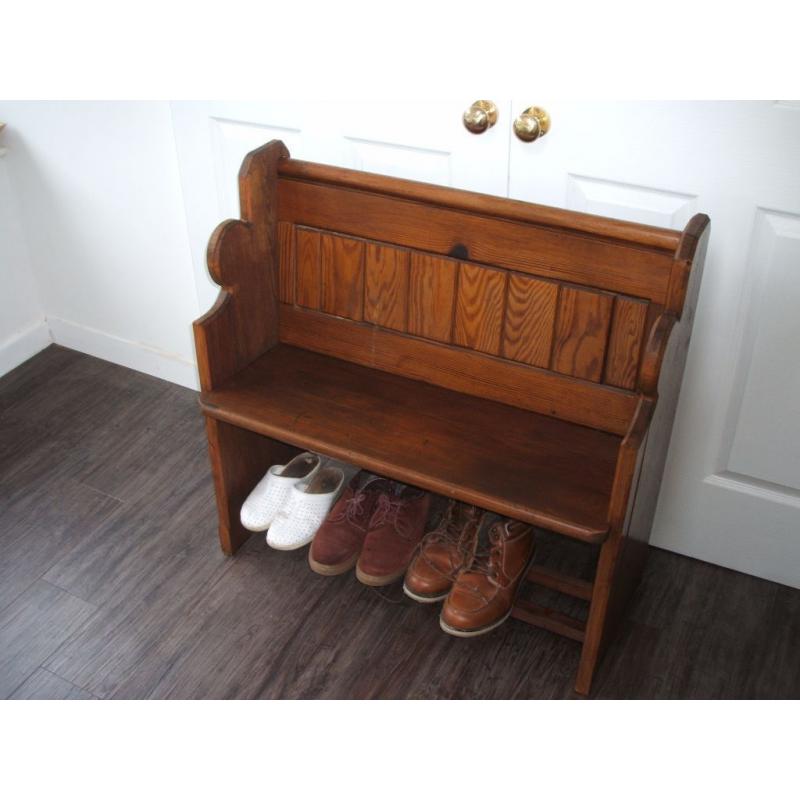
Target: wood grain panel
[431,292]
[530,316]
[541,251]
[582,323]
[598,406]
[308,291]
[342,276]
[386,286]
[479,308]
[625,342]
[286,279]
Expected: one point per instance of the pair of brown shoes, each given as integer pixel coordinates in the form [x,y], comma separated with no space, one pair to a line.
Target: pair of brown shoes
[475,562]
[376,526]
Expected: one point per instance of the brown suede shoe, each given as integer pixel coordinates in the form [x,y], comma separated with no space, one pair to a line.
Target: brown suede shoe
[395,531]
[337,544]
[444,551]
[483,595]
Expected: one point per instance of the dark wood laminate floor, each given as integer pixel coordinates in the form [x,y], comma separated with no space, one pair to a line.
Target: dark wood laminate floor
[112,584]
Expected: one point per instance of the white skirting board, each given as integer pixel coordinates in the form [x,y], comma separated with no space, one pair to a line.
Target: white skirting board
[135,355]
[24,345]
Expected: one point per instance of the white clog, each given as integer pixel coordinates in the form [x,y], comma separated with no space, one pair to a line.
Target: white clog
[273,490]
[308,505]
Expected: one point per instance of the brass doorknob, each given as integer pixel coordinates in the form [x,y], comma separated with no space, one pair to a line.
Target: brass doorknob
[531,124]
[480,116]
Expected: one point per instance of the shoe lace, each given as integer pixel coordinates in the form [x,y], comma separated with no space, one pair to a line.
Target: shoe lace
[388,512]
[353,511]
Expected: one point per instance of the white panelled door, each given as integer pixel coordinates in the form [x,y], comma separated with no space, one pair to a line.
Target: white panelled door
[422,141]
[731,491]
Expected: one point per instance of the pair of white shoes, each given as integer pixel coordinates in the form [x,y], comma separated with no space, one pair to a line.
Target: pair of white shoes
[292,500]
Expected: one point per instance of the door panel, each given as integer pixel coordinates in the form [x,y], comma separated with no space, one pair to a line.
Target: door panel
[627,201]
[423,141]
[765,409]
[731,490]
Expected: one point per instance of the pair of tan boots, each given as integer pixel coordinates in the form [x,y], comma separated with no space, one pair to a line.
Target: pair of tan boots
[474,561]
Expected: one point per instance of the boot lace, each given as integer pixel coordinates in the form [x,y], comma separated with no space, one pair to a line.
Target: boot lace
[451,529]
[489,557]
[446,530]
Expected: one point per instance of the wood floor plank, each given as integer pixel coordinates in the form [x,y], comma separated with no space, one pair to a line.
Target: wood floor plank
[243,629]
[706,642]
[29,454]
[42,526]
[85,396]
[776,664]
[129,454]
[721,640]
[132,641]
[34,376]
[33,627]
[44,685]
[144,546]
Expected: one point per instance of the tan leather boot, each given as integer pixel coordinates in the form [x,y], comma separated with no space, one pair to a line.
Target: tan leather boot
[483,595]
[444,551]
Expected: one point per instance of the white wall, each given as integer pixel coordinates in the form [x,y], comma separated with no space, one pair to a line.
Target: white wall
[23,331]
[99,196]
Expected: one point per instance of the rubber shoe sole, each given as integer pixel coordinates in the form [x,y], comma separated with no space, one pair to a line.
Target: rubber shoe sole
[424,598]
[285,548]
[331,569]
[378,580]
[468,634]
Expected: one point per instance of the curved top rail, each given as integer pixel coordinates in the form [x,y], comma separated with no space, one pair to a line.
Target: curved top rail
[572,221]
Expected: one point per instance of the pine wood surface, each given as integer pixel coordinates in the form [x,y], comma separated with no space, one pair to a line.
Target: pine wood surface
[527,466]
[544,252]
[478,374]
[569,330]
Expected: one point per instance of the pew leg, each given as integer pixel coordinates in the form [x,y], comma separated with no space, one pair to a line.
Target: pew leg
[619,570]
[239,459]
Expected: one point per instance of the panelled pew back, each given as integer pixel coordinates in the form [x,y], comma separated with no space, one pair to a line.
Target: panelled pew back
[512,293]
